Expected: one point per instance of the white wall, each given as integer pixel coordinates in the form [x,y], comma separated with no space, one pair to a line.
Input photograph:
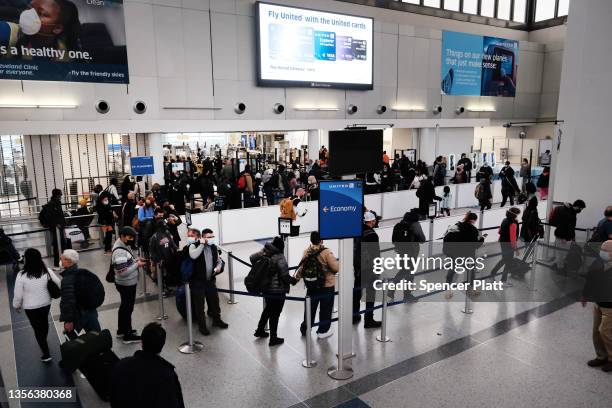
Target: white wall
[201,53]
[582,169]
[451,141]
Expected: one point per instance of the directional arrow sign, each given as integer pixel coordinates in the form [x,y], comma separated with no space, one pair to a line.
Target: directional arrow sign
[340,209]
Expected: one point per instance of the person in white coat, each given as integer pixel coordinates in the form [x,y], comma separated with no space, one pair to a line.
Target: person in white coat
[32,295]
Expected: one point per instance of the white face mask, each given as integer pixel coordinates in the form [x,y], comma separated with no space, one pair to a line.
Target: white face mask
[29,22]
[211,241]
[605,255]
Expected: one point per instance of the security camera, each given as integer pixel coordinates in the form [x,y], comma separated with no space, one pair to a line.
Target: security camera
[522,134]
[352,109]
[279,108]
[240,108]
[437,110]
[459,110]
[381,109]
[102,107]
[140,107]
[507,125]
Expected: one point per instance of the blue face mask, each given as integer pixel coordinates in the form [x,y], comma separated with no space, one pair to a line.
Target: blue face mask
[211,241]
[191,240]
[605,255]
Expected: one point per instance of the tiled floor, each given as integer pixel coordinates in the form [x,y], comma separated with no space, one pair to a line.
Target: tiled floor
[438,356]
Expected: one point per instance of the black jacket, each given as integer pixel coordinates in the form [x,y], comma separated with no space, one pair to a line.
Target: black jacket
[69,310]
[105,215]
[484,172]
[469,239]
[56,213]
[467,164]
[83,221]
[145,380]
[598,284]
[198,277]
[531,221]
[426,194]
[566,222]
[369,252]
[407,234]
[279,269]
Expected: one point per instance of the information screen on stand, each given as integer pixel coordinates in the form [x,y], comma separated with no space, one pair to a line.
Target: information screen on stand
[340,209]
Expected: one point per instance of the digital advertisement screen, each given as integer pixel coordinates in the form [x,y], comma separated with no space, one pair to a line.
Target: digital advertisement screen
[309,48]
[355,151]
[478,66]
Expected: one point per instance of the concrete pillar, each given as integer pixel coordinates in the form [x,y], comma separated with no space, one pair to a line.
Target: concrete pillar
[581,160]
[155,143]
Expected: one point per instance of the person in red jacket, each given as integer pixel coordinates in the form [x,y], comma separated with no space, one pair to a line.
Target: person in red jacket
[508,238]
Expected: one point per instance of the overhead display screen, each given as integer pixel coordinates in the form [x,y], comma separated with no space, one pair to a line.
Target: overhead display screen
[316,49]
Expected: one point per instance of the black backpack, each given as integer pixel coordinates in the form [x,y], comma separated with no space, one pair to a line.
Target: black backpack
[89,290]
[451,238]
[259,277]
[312,270]
[45,216]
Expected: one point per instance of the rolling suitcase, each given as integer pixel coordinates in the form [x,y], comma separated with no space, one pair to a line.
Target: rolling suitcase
[98,370]
[78,350]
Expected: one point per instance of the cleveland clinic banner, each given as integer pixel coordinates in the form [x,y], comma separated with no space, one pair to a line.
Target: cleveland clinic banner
[63,40]
[478,66]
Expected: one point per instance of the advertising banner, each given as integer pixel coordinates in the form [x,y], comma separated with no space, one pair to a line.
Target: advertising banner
[340,209]
[63,40]
[473,65]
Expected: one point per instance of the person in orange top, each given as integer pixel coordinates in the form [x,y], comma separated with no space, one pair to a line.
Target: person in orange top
[386,159]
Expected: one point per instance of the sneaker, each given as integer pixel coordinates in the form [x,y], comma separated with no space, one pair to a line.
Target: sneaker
[596,362]
[606,368]
[220,324]
[261,333]
[325,335]
[131,338]
[275,341]
[303,330]
[46,359]
[119,335]
[204,330]
[372,324]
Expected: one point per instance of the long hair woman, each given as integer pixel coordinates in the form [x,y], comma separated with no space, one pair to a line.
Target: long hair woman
[32,295]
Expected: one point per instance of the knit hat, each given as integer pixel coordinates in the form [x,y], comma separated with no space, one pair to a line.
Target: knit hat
[278,243]
[83,202]
[514,212]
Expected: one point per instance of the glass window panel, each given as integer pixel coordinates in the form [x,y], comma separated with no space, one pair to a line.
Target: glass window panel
[432,3]
[470,6]
[412,1]
[545,10]
[520,10]
[451,5]
[563,7]
[503,9]
[487,8]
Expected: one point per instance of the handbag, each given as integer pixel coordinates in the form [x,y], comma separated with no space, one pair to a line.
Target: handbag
[54,291]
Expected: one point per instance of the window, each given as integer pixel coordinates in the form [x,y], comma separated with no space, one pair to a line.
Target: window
[470,6]
[520,11]
[451,5]
[412,1]
[545,10]
[487,8]
[503,9]
[563,8]
[432,3]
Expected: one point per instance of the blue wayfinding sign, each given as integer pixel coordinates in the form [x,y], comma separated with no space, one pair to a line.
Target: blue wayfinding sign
[142,165]
[340,209]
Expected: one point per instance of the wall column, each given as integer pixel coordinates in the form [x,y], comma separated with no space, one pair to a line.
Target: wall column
[156,149]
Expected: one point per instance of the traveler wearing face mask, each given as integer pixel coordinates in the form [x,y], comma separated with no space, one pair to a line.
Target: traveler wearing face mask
[106,218]
[206,266]
[126,265]
[598,289]
[563,218]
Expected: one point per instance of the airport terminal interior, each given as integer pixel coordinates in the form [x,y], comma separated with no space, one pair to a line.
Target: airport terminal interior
[305,203]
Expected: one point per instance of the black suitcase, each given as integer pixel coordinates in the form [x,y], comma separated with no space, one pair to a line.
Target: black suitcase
[98,370]
[76,351]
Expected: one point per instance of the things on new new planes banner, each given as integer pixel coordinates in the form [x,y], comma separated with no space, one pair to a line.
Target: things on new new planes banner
[142,165]
[63,40]
[478,66]
[340,209]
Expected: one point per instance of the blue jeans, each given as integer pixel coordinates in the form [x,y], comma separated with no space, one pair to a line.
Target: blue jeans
[88,321]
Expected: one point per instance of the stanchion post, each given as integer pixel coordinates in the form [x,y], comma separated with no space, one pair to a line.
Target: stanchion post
[143,272]
[160,287]
[467,307]
[534,264]
[230,275]
[309,362]
[190,347]
[431,237]
[382,337]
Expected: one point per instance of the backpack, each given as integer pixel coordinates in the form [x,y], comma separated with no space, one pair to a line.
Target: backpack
[453,235]
[477,191]
[574,258]
[242,182]
[110,275]
[553,218]
[186,269]
[89,290]
[45,216]
[286,209]
[312,270]
[259,277]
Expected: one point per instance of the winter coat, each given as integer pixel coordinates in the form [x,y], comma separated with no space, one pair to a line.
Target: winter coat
[279,269]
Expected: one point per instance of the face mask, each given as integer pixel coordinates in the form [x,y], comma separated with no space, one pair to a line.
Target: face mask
[29,22]
[605,255]
[191,240]
[210,241]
